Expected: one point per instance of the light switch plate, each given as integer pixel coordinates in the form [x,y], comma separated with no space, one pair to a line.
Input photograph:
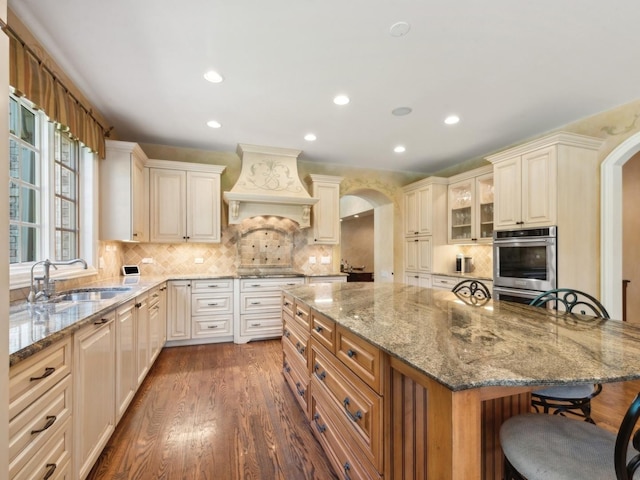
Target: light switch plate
[312,260]
[325,260]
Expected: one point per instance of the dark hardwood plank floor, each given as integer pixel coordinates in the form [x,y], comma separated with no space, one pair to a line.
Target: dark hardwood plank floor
[224,411]
[218,411]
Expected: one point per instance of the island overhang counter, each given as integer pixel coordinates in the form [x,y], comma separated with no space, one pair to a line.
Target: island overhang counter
[452,372]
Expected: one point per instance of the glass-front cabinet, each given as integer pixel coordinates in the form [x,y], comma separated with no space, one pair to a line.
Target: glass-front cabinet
[471,209]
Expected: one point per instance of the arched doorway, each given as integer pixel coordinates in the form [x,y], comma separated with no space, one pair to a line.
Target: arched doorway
[611,224]
[382,232]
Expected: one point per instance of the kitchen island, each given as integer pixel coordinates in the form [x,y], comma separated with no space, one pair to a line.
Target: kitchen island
[452,372]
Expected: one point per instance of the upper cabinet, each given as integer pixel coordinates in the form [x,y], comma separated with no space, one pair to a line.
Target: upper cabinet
[470,217]
[418,210]
[326,213]
[184,202]
[527,178]
[123,196]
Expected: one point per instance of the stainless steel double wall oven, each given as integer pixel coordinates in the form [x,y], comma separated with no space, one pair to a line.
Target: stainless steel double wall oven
[524,263]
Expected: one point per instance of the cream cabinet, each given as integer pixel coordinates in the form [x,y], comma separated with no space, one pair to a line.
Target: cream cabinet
[41,413]
[126,355]
[157,321]
[94,382]
[200,311]
[326,212]
[143,343]
[123,193]
[418,279]
[260,307]
[555,180]
[184,202]
[470,206]
[426,248]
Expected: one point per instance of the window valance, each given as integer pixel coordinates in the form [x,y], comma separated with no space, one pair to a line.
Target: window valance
[30,77]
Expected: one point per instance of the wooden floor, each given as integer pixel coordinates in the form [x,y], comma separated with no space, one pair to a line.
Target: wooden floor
[219,412]
[225,412]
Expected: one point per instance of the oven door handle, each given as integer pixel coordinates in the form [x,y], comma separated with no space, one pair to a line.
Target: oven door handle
[529,242]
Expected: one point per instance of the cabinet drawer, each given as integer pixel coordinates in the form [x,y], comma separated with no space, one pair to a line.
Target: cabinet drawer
[260,302]
[292,335]
[287,304]
[32,377]
[346,459]
[212,286]
[215,326]
[262,324]
[301,316]
[358,407]
[297,380]
[207,304]
[32,428]
[360,357]
[444,283]
[53,459]
[274,284]
[323,330]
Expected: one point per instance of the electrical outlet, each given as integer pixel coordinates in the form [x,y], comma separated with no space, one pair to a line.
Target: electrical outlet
[147,260]
[199,260]
[325,260]
[312,260]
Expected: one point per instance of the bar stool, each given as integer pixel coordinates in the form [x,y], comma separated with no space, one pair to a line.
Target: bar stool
[568,399]
[552,447]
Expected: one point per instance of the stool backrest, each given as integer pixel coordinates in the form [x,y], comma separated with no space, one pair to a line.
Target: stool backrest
[625,470]
[573,301]
[473,292]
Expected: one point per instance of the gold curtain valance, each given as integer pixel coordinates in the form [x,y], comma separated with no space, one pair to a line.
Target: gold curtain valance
[31,78]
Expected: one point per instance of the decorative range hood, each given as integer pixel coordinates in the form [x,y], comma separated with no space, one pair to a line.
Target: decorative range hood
[269,185]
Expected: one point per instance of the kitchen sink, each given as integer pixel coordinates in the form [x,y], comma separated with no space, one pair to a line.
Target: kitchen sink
[92,295]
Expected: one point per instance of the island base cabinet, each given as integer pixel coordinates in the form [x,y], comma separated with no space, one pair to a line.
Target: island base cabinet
[298,381]
[424,444]
[53,461]
[345,459]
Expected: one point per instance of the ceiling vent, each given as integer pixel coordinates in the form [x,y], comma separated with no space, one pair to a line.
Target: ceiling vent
[269,185]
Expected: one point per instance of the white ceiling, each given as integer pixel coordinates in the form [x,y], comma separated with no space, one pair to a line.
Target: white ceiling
[510,69]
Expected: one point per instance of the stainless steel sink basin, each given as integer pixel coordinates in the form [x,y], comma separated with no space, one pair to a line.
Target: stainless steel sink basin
[92,295]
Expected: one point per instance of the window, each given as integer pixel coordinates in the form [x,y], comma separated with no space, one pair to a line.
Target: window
[48,172]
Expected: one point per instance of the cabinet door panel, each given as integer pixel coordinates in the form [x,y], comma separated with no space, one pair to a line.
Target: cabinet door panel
[424,254]
[125,357]
[507,178]
[539,187]
[179,310]
[167,205]
[203,207]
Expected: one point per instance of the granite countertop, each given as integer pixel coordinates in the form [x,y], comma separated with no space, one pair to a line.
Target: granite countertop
[33,327]
[469,275]
[464,346]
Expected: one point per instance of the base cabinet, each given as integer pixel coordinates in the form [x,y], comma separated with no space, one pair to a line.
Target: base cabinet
[94,411]
[200,311]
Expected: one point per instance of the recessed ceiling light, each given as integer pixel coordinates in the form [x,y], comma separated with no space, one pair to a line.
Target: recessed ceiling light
[399,29]
[213,77]
[452,119]
[310,137]
[341,100]
[399,149]
[213,124]
[400,111]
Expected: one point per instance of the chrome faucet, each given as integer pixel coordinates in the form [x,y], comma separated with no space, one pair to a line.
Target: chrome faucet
[45,291]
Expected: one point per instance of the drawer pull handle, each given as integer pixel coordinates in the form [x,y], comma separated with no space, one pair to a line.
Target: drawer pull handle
[286,368]
[212,326]
[256,285]
[301,348]
[287,304]
[212,286]
[321,376]
[255,303]
[255,324]
[286,333]
[300,389]
[291,283]
[318,328]
[212,304]
[354,417]
[51,467]
[47,371]
[51,419]
[351,353]
[156,295]
[346,467]
[102,321]
[299,314]
[320,428]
